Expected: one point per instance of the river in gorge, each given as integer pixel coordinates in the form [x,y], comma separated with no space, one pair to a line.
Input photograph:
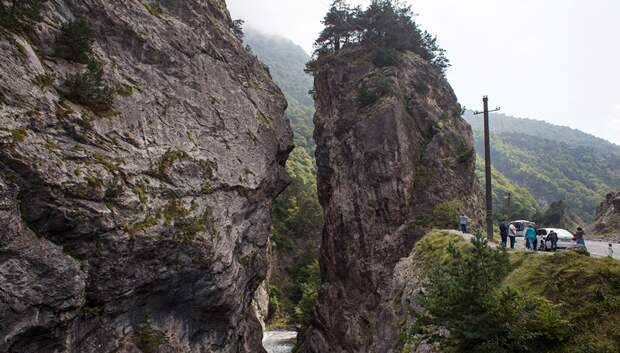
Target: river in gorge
[279,341]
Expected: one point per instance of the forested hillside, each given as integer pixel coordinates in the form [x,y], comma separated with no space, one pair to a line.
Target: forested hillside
[297,217]
[501,123]
[286,61]
[554,163]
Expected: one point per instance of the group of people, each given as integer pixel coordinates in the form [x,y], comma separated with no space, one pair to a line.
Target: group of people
[531,237]
[508,231]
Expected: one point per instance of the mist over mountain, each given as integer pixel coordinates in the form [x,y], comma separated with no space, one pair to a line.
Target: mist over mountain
[500,123]
[554,163]
[285,60]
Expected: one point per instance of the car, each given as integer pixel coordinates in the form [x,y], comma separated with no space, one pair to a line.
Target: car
[566,239]
[521,226]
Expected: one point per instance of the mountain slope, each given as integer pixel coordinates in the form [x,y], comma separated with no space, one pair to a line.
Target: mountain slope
[501,123]
[552,162]
[286,61]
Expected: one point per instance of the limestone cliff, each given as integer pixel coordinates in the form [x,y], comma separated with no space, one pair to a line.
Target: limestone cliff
[607,223]
[144,227]
[393,155]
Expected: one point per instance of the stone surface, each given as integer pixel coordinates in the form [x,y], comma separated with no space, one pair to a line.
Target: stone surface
[383,170]
[152,219]
[607,223]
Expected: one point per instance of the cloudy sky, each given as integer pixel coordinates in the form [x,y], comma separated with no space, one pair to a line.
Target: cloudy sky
[553,60]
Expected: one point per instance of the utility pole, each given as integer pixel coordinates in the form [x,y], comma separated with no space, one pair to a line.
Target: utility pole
[508,199]
[487,166]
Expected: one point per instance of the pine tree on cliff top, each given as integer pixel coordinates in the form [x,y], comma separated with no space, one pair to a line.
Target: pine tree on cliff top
[384,24]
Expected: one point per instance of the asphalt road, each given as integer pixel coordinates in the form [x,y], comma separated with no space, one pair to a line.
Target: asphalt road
[601,249]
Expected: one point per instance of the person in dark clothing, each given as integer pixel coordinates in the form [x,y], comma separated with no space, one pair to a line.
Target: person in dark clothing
[553,238]
[503,231]
[580,236]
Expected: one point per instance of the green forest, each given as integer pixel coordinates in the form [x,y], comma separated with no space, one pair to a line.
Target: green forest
[553,163]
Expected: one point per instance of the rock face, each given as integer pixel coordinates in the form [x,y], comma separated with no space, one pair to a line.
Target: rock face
[388,167]
[144,228]
[607,222]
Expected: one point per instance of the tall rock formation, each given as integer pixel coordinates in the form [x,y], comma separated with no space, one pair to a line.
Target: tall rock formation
[607,223]
[394,156]
[145,227]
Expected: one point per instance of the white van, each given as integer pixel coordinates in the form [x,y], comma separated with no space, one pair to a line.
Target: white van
[521,226]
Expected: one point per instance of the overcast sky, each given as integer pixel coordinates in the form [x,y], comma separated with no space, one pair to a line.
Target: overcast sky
[553,60]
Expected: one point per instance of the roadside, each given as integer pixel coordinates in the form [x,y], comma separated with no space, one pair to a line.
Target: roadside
[596,248]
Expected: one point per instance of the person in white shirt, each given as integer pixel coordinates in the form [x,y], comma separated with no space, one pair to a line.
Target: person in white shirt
[512,233]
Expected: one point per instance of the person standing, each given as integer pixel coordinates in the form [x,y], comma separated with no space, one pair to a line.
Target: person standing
[512,233]
[580,236]
[503,232]
[553,238]
[530,238]
[463,221]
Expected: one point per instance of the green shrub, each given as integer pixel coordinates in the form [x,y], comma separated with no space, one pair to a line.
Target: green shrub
[275,299]
[44,81]
[88,88]
[367,96]
[422,88]
[20,16]
[154,9]
[465,296]
[75,41]
[310,293]
[19,135]
[445,214]
[148,339]
[385,57]
[115,189]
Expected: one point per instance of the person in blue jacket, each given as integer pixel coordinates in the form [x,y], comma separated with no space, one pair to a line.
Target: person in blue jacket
[530,238]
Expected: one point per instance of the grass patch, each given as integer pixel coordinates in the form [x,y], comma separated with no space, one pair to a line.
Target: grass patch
[19,135]
[586,290]
[168,159]
[125,91]
[154,9]
[445,214]
[139,191]
[204,223]
[173,211]
[148,339]
[149,221]
[432,249]
[44,81]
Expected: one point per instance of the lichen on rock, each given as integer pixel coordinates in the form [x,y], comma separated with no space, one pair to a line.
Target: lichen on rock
[143,215]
